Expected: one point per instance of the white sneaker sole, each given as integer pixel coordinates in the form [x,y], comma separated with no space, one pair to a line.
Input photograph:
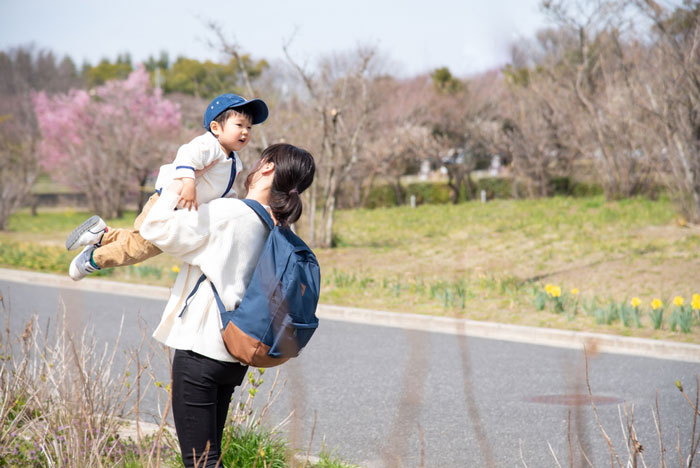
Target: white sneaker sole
[87,233]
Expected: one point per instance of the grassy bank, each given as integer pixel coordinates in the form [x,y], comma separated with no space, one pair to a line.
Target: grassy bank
[492,262]
[489,261]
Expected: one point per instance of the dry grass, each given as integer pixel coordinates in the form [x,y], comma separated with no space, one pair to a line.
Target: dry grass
[64,399]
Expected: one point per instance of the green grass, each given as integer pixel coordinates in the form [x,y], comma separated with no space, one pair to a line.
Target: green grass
[38,243]
[51,222]
[547,219]
[250,447]
[481,260]
[473,260]
[328,460]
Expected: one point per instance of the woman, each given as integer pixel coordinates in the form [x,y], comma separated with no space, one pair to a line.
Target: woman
[223,240]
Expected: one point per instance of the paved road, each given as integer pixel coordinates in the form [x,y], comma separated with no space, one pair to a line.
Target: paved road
[390,397]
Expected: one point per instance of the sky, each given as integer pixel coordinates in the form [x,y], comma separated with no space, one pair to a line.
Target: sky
[468,36]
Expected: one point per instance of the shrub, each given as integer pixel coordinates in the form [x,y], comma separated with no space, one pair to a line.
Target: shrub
[428,193]
[434,193]
[566,186]
[495,187]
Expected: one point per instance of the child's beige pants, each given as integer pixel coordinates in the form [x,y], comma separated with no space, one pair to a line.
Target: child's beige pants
[121,247]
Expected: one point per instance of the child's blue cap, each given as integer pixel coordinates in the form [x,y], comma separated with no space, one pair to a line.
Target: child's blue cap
[255,107]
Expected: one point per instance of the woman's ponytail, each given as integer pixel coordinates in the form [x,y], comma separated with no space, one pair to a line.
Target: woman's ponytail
[294,173]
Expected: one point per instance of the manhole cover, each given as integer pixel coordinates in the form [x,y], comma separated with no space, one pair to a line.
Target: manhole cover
[573,400]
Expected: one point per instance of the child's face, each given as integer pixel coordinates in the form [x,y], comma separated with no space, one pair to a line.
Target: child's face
[235,133]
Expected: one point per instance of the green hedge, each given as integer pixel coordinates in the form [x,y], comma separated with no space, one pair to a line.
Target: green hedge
[434,193]
[567,186]
[495,187]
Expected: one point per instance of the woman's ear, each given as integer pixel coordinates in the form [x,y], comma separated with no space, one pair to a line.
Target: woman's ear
[267,168]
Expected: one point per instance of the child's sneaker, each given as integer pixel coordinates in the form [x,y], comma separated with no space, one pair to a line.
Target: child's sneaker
[82,265]
[88,233]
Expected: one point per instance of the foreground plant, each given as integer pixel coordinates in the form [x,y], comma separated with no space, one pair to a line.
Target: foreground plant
[558,301]
[682,318]
[64,402]
[64,399]
[656,314]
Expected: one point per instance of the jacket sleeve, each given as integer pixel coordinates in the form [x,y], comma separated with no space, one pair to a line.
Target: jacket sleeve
[181,233]
[195,155]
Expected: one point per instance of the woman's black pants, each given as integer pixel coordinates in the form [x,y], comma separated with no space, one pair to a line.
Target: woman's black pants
[202,389]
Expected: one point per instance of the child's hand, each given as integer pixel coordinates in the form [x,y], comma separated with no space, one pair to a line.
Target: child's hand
[188,196]
[175,186]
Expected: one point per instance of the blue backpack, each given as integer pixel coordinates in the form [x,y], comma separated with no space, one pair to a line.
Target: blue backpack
[277,315]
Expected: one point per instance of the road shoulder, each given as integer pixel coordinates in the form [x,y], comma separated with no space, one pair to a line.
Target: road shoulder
[593,342]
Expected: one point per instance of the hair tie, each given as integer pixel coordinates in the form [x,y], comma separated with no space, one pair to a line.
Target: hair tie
[293,191]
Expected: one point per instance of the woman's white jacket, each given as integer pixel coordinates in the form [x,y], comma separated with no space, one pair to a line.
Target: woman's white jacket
[222,239]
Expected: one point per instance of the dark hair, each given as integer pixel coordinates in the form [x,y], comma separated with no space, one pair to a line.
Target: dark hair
[223,117]
[294,172]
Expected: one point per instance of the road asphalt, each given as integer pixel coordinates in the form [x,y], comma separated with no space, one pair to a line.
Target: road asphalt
[387,390]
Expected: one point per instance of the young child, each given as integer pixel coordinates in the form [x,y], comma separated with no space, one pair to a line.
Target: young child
[207,166]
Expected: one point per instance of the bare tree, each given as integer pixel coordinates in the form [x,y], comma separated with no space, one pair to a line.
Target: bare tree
[398,139]
[596,74]
[393,152]
[669,90]
[535,134]
[340,94]
[460,115]
[22,71]
[18,155]
[232,49]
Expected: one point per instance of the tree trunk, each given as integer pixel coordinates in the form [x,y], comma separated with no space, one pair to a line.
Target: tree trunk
[469,187]
[328,232]
[398,191]
[312,215]
[454,181]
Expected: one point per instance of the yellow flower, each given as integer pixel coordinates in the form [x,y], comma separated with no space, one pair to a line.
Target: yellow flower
[574,291]
[678,300]
[695,302]
[548,289]
[556,291]
[175,269]
[137,264]
[635,302]
[656,303]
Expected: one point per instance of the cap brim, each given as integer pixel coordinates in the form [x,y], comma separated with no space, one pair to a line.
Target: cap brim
[256,108]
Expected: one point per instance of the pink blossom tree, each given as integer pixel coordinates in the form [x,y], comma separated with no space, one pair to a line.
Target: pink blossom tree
[106,142]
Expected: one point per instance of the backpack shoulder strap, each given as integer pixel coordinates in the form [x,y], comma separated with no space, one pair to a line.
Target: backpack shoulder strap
[267,219]
[194,290]
[260,211]
[219,302]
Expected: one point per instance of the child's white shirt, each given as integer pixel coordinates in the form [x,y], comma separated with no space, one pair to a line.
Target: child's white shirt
[199,153]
